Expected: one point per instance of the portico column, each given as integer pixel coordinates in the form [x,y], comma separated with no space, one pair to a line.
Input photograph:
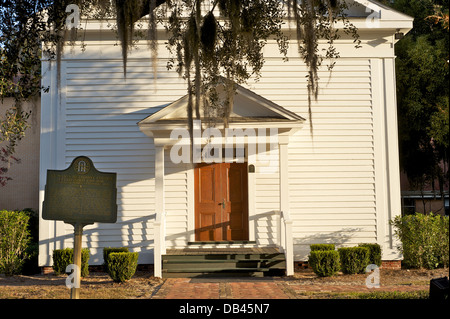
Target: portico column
[159,179]
[283,141]
[286,234]
[159,225]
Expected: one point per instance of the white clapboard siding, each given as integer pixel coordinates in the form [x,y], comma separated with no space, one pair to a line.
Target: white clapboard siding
[101,111]
[332,193]
[267,197]
[331,175]
[176,203]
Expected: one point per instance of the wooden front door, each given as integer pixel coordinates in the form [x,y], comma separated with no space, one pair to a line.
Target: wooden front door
[221,209]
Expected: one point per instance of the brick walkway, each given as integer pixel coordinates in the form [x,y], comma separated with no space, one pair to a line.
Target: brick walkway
[277,288]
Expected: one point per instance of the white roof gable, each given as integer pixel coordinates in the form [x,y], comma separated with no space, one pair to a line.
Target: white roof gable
[362,8]
[247,106]
[358,10]
[373,15]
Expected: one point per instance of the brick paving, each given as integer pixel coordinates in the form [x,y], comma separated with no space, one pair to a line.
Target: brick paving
[277,288]
[186,288]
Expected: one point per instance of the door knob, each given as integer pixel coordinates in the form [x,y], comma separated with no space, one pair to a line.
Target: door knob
[223,203]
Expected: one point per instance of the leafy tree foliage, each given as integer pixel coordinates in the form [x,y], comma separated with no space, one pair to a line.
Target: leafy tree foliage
[216,43]
[12,130]
[422,68]
[20,27]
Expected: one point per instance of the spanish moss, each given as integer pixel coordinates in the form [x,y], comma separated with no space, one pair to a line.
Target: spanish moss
[216,44]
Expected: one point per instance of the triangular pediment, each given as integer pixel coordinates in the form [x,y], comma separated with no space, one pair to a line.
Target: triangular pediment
[248,107]
[363,8]
[355,8]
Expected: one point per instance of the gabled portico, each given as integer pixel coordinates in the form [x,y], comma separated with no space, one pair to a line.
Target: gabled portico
[221,179]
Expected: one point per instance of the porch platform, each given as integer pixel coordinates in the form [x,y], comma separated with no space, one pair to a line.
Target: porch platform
[219,251]
[220,262]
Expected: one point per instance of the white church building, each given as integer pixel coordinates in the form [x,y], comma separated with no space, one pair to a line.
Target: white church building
[287,190]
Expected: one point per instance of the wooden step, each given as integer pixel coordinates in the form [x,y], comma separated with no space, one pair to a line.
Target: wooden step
[223,249]
[221,243]
[223,274]
[170,260]
[203,262]
[238,265]
[218,258]
[216,270]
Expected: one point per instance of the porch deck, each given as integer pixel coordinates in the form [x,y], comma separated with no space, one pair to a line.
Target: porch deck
[219,251]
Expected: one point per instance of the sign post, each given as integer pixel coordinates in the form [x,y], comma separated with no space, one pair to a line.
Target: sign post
[80,195]
[75,290]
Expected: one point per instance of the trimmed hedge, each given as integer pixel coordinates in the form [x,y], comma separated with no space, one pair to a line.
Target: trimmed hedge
[325,263]
[354,260]
[109,250]
[122,265]
[64,257]
[315,247]
[374,253]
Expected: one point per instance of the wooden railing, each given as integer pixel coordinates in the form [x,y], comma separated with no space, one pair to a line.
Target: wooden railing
[286,241]
[160,242]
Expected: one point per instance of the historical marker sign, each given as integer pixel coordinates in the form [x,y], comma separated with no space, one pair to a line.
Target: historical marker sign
[80,194]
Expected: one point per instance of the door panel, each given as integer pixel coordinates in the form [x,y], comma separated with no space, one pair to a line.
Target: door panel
[207,211]
[207,181]
[207,222]
[236,208]
[221,209]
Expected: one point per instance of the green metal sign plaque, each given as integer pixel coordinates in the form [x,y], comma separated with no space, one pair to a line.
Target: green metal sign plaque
[80,194]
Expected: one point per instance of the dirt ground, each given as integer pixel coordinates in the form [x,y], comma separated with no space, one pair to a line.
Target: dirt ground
[143,285]
[388,277]
[97,285]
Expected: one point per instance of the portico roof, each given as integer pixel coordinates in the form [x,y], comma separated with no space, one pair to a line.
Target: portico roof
[250,110]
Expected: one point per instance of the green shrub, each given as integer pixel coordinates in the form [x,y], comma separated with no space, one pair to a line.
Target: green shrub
[354,260]
[374,253]
[315,247]
[109,250]
[64,257]
[325,263]
[14,240]
[425,240]
[122,266]
[30,266]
